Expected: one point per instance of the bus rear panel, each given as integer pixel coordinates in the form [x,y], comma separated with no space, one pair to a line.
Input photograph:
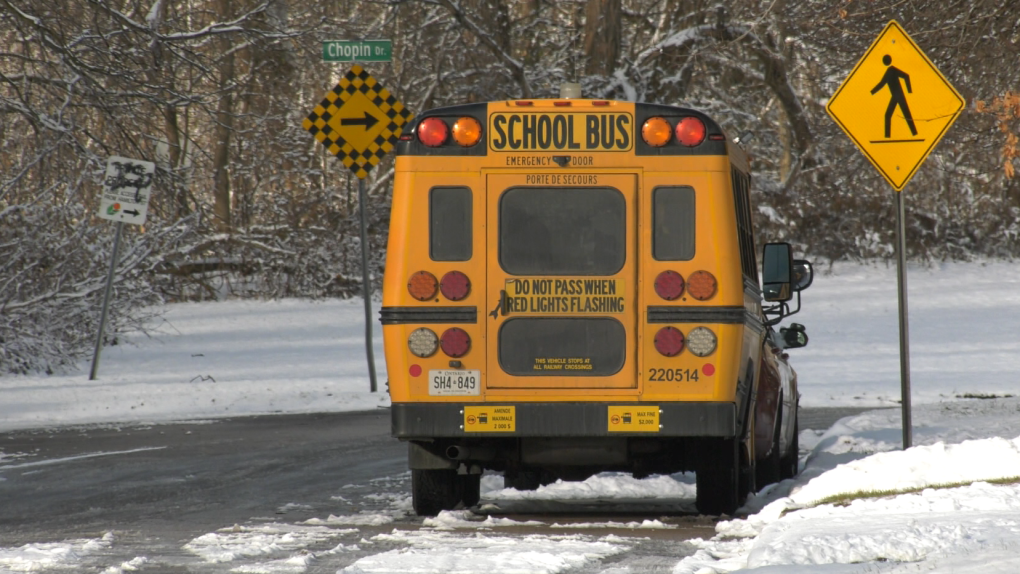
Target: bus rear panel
[570,287]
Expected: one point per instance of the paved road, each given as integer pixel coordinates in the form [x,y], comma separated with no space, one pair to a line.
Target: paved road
[158,487]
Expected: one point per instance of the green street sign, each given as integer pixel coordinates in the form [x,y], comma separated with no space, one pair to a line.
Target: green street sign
[357,51]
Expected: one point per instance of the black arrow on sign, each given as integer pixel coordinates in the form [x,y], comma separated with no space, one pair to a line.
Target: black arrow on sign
[132,212]
[368,121]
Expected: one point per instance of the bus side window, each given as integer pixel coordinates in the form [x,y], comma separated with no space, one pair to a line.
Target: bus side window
[673,223]
[450,237]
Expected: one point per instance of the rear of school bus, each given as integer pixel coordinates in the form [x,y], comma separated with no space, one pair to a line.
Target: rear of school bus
[570,288]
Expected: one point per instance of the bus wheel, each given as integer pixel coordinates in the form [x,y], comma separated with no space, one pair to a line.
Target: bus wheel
[770,469]
[790,464]
[522,479]
[435,490]
[470,489]
[720,489]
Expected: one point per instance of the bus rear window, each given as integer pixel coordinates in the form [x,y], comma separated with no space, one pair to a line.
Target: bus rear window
[673,222]
[562,231]
[450,224]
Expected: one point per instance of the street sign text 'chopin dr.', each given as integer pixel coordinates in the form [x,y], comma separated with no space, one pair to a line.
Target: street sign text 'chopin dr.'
[895,105]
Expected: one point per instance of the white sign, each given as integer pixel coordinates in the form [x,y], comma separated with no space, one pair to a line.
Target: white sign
[126,190]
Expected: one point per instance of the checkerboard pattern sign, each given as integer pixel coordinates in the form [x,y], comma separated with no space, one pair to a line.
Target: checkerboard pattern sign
[358,121]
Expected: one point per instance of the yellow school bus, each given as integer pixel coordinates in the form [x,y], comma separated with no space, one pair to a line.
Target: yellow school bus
[571,287]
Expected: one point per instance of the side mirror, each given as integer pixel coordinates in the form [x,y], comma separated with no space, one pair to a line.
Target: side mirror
[803,274]
[777,272]
[793,336]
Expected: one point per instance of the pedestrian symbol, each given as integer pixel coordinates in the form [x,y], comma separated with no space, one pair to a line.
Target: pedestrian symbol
[895,105]
[897,99]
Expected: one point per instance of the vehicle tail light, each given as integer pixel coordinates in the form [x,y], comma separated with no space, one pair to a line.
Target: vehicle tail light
[701,341]
[656,131]
[455,286]
[467,131]
[422,285]
[669,285]
[701,285]
[433,132]
[669,341]
[690,131]
[423,342]
[455,342]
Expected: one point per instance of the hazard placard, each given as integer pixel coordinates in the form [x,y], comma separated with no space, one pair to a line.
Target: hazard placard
[895,105]
[358,121]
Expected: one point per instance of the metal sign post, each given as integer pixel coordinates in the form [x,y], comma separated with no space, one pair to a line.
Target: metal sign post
[901,291]
[126,190]
[359,122]
[366,285]
[895,106]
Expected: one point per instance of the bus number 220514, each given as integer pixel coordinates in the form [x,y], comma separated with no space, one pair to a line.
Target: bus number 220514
[673,375]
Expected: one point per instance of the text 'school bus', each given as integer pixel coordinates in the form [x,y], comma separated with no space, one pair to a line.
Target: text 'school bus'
[571,287]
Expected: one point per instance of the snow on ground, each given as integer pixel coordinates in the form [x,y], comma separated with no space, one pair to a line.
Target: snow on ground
[949,504]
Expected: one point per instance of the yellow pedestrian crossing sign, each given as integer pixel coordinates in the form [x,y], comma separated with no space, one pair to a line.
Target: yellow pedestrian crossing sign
[358,121]
[895,105]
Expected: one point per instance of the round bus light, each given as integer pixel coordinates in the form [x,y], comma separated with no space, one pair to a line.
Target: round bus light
[701,341]
[656,131]
[422,342]
[690,131]
[669,341]
[669,285]
[433,132]
[455,342]
[701,285]
[467,131]
[422,285]
[708,370]
[415,370]
[455,286]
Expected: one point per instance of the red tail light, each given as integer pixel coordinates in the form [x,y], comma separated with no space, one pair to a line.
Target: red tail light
[669,341]
[455,342]
[433,132]
[690,131]
[455,286]
[669,285]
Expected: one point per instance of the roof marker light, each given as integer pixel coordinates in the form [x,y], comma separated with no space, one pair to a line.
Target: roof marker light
[656,131]
[433,132]
[690,131]
[467,131]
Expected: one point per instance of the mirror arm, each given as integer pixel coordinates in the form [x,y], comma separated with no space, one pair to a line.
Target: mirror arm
[781,310]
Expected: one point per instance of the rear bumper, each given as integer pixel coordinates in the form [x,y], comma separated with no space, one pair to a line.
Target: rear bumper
[435,420]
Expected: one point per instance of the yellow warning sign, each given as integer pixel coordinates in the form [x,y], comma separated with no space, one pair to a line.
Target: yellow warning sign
[490,419]
[359,121]
[895,105]
[631,418]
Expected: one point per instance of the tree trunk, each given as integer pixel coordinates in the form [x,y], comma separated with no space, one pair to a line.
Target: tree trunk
[602,36]
[224,126]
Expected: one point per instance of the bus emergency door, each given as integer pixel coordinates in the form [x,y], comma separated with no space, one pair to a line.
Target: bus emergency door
[561,288]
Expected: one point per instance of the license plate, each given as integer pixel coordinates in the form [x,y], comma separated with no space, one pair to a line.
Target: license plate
[447,383]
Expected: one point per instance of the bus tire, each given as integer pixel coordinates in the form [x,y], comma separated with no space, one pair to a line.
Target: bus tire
[790,465]
[769,470]
[470,489]
[720,487]
[522,479]
[435,490]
